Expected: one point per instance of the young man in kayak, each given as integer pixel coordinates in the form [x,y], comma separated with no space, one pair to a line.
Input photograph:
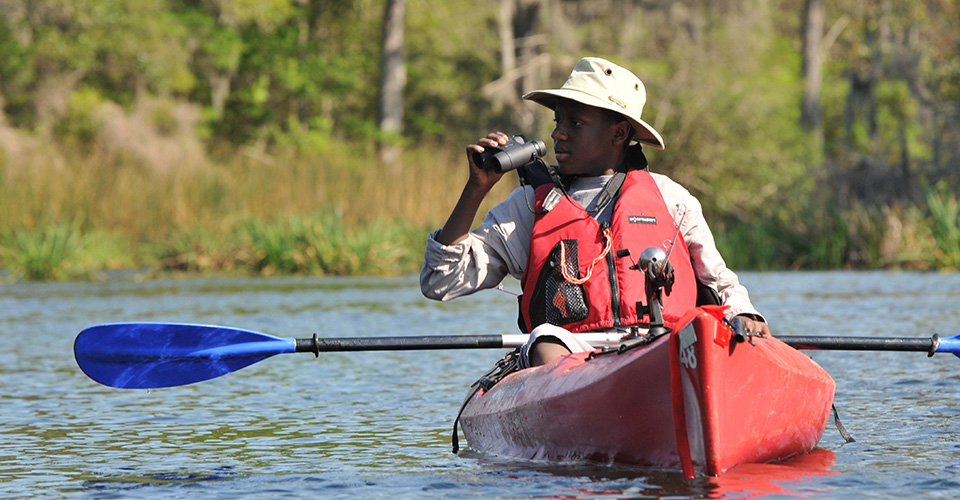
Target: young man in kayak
[607,209]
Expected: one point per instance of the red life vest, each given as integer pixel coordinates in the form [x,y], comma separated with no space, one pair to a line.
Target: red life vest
[609,296]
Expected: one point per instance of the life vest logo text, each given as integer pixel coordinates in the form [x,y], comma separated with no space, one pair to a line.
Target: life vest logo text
[642,219]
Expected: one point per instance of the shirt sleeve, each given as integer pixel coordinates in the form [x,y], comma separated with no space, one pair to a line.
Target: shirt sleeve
[708,264]
[496,248]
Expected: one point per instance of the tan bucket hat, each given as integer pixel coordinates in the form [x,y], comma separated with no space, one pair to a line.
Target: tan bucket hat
[600,83]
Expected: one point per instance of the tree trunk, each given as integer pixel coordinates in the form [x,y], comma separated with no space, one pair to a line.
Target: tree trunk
[810,115]
[393,77]
[524,29]
[508,46]
[219,92]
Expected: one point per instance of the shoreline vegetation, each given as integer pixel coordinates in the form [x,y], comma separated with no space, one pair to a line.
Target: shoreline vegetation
[346,214]
[327,138]
[255,214]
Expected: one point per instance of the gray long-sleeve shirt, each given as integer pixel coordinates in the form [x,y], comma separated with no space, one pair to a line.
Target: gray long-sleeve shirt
[501,244]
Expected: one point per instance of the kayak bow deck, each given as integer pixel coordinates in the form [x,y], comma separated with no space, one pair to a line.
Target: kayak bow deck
[691,400]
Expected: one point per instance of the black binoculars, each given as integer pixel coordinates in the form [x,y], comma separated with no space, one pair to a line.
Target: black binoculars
[516,153]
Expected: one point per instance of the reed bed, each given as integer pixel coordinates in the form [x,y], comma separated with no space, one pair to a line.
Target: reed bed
[945,213]
[251,212]
[342,212]
[901,236]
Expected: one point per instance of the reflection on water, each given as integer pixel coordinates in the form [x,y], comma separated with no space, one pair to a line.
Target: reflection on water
[377,425]
[788,478]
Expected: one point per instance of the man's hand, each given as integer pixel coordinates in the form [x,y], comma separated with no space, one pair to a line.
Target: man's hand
[754,326]
[479,177]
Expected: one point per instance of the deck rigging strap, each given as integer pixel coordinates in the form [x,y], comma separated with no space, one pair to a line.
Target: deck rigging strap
[508,364]
[847,438]
[628,343]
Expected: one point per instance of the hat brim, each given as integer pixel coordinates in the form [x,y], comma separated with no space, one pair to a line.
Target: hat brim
[645,133]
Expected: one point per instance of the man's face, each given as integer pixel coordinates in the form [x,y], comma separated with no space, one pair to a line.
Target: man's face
[584,139]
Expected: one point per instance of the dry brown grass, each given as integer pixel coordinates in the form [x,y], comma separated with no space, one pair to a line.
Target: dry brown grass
[158,133]
[118,191]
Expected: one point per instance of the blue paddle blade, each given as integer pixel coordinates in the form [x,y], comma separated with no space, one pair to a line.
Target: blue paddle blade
[950,344]
[151,355]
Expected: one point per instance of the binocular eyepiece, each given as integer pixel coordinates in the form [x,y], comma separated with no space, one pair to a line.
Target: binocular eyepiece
[516,153]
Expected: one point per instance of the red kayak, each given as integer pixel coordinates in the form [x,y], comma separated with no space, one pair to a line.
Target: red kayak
[691,400]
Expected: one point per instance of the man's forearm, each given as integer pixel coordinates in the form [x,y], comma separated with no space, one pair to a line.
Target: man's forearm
[461,219]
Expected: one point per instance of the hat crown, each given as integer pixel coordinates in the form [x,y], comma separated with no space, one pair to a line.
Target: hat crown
[607,81]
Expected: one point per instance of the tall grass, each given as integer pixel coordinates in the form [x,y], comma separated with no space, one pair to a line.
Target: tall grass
[250,212]
[322,244]
[40,253]
[824,237]
[945,214]
[343,212]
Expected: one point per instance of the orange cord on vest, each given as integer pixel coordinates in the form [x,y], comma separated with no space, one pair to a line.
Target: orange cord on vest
[603,255]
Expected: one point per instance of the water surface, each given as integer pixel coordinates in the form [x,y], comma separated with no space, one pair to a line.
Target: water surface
[377,425]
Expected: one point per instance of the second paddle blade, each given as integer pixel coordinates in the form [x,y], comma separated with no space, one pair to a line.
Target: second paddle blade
[152,355]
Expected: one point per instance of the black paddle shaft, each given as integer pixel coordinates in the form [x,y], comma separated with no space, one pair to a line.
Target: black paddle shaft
[927,345]
[317,345]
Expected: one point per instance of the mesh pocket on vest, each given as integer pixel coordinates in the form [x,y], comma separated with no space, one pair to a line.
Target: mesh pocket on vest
[556,300]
